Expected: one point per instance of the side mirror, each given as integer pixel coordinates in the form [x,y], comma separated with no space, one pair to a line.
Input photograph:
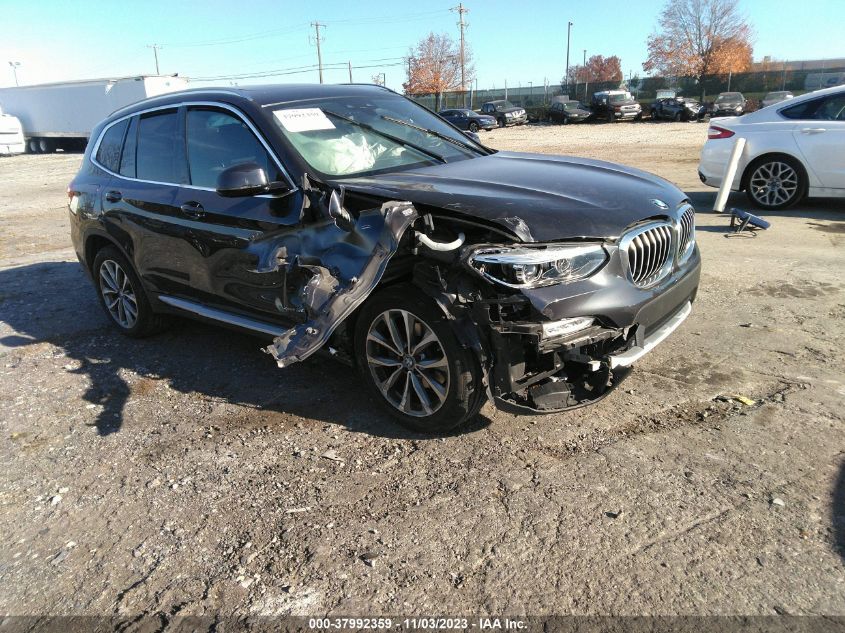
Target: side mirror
[246,179]
[337,212]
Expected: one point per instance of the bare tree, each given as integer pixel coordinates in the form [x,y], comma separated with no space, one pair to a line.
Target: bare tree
[434,67]
[697,38]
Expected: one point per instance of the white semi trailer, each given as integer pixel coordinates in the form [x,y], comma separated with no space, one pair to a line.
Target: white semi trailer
[62,115]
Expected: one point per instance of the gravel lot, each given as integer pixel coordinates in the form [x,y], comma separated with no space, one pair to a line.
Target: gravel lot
[187,475]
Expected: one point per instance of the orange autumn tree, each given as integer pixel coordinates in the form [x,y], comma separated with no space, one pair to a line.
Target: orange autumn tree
[434,67]
[697,38]
[598,69]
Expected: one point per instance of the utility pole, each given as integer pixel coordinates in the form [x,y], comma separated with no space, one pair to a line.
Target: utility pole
[317,26]
[350,70]
[14,66]
[568,33]
[155,48]
[461,10]
[586,76]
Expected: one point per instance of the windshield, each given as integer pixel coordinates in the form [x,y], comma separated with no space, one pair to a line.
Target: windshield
[573,105]
[503,105]
[621,98]
[729,96]
[776,95]
[358,135]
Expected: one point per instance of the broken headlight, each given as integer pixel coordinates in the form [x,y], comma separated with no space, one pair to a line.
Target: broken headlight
[532,267]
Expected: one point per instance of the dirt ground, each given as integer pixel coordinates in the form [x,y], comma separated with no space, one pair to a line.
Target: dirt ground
[186,475]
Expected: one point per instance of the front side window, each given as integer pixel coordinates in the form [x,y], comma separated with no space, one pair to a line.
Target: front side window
[831,108]
[108,153]
[356,135]
[218,140]
[157,157]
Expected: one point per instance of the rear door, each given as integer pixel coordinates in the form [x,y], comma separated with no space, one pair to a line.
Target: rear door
[140,197]
[820,134]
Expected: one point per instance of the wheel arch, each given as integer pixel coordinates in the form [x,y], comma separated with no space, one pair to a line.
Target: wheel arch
[746,174]
[95,242]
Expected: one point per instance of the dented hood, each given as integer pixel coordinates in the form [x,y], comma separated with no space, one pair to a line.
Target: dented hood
[536,197]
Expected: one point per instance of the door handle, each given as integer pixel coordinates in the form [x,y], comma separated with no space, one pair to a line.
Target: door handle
[113,196]
[193,209]
[813,130]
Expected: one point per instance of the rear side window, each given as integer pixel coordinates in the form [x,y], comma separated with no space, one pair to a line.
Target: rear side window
[108,153]
[127,158]
[805,111]
[218,140]
[158,152]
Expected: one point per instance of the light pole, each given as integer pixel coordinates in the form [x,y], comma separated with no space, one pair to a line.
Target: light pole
[568,33]
[586,76]
[531,91]
[14,66]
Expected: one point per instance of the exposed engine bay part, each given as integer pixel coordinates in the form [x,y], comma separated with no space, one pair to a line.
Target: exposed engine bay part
[327,285]
[443,247]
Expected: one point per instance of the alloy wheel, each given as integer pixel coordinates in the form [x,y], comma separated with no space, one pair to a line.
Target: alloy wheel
[118,294]
[408,363]
[774,183]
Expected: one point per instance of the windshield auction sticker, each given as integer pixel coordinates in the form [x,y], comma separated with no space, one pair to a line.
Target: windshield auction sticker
[303,119]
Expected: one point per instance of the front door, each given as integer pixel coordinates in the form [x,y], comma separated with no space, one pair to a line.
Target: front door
[821,138]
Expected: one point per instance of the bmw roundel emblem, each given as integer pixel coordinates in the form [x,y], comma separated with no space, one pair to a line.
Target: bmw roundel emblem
[659,204]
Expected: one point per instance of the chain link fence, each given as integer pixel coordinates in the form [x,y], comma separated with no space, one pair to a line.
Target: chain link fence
[535,97]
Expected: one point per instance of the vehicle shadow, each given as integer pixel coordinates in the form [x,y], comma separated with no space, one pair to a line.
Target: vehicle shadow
[838,512]
[191,357]
[811,208]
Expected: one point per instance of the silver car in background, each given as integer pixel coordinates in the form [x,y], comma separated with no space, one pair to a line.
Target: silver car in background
[772,98]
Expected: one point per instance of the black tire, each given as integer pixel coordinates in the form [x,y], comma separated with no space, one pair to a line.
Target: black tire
[464,390]
[565,120]
[46,146]
[33,147]
[639,117]
[654,115]
[473,127]
[677,117]
[502,122]
[146,321]
[760,197]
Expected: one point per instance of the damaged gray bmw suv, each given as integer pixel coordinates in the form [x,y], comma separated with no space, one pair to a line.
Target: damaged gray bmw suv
[351,220]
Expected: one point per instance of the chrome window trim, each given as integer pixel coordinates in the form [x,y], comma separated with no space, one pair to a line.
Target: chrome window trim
[171,106]
[663,271]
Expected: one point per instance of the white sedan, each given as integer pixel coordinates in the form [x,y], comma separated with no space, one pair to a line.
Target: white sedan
[793,149]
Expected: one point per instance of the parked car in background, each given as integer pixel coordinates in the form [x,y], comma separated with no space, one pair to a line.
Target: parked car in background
[569,112]
[728,104]
[676,109]
[772,98]
[615,105]
[469,120]
[792,149]
[11,135]
[505,112]
[350,218]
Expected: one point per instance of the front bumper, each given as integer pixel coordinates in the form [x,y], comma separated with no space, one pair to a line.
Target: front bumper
[533,374]
[627,114]
[516,120]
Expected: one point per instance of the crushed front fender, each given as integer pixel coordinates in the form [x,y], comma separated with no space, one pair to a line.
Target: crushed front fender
[340,278]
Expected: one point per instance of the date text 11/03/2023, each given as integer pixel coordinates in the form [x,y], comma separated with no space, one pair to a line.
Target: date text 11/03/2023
[421,623]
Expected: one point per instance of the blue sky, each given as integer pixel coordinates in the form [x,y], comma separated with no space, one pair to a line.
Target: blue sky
[515,41]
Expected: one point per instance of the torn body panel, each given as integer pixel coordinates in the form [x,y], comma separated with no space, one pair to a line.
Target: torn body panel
[328,284]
